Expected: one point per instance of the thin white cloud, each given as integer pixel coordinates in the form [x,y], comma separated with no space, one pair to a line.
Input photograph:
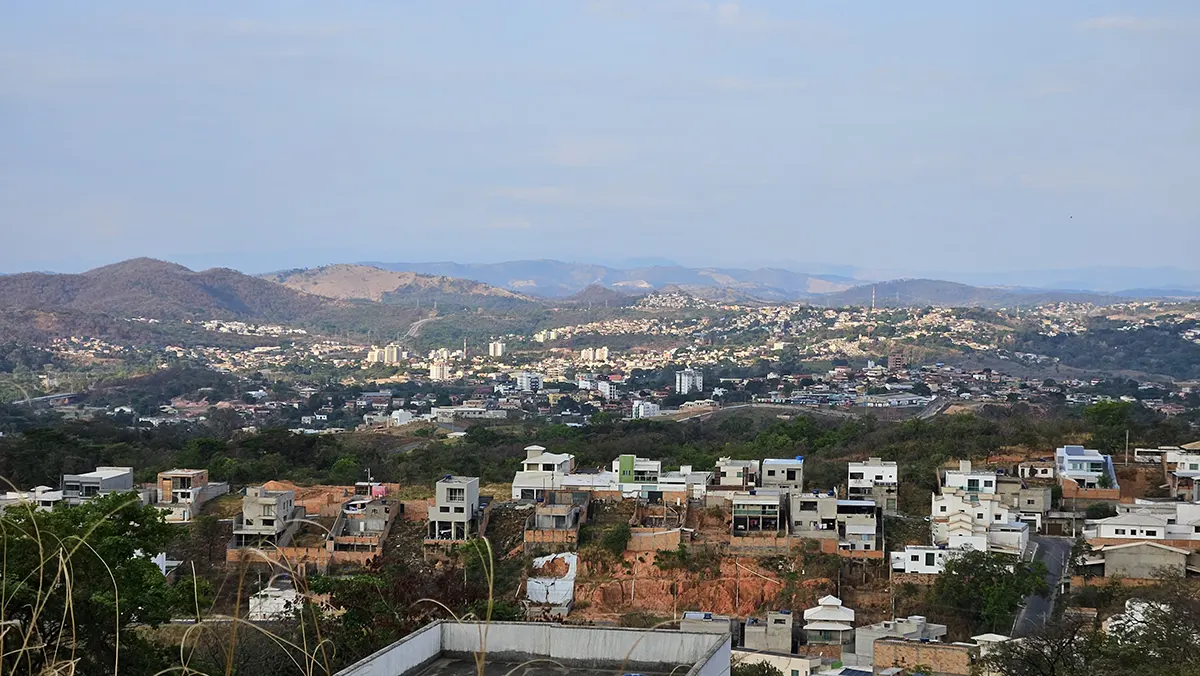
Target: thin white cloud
[613,197]
[1134,24]
[250,28]
[508,223]
[587,152]
[729,15]
[757,84]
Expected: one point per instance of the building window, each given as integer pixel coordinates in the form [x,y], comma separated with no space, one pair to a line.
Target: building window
[456,494]
[1029,502]
[979,516]
[1151,533]
[526,493]
[943,508]
[916,557]
[929,558]
[459,510]
[770,472]
[268,522]
[444,509]
[1120,531]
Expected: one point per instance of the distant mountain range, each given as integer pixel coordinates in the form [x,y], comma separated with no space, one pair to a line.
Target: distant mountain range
[556,279]
[144,287]
[364,282]
[386,300]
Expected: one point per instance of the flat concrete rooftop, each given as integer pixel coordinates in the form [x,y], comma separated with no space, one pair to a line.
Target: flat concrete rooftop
[452,666]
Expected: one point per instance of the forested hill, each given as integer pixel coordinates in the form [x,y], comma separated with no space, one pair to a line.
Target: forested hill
[144,287]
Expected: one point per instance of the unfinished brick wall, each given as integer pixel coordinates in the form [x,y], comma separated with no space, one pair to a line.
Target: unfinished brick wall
[942,658]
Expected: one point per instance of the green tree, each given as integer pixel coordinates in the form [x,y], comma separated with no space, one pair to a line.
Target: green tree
[748,668]
[617,539]
[980,589]
[1108,421]
[344,471]
[77,580]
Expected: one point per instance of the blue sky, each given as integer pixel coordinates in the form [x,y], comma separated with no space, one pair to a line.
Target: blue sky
[913,136]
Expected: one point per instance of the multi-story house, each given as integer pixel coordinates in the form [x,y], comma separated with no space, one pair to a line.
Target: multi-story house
[921,559]
[455,512]
[736,474]
[632,469]
[784,474]
[848,525]
[875,479]
[1088,468]
[980,521]
[969,480]
[183,492]
[104,480]
[265,518]
[758,511]
[541,472]
[1039,470]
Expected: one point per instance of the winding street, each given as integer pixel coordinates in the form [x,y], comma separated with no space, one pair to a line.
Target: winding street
[1036,611]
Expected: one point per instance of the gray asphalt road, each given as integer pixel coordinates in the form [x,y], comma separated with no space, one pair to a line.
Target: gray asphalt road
[1052,551]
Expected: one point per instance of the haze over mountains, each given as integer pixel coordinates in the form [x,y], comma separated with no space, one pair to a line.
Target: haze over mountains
[347,295]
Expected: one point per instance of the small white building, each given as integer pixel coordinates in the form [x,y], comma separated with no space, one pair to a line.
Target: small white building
[829,623]
[785,473]
[1085,466]
[736,473]
[632,469]
[920,559]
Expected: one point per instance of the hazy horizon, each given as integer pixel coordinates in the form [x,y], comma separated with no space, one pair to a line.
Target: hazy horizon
[947,140]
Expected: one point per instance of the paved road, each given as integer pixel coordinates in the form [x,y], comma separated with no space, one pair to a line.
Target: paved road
[1054,552]
[415,327]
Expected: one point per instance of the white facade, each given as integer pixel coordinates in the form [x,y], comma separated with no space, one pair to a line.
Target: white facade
[456,504]
[921,559]
[632,469]
[688,381]
[496,348]
[877,479]
[439,371]
[102,481]
[788,665]
[972,481]
[528,381]
[645,409]
[1084,465]
[541,472]
[606,389]
[787,473]
[273,604]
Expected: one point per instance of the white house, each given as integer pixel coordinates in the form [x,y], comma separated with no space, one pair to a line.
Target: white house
[829,623]
[783,473]
[739,473]
[275,603]
[632,469]
[541,472]
[921,559]
[875,478]
[972,481]
[1085,466]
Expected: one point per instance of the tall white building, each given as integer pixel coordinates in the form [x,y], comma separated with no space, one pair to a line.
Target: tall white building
[600,354]
[689,380]
[375,355]
[606,389]
[587,354]
[393,354]
[528,381]
[496,348]
[439,371]
[645,409]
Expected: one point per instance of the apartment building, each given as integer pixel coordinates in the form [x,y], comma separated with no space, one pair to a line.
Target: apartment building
[874,479]
[852,524]
[440,371]
[455,512]
[785,474]
[77,488]
[632,469]
[528,381]
[265,518]
[183,492]
[644,409]
[688,381]
[496,348]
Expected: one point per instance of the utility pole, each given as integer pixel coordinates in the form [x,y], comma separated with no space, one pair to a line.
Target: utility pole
[1127,446]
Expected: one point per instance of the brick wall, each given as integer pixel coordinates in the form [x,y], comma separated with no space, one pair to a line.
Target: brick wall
[652,540]
[942,658]
[913,578]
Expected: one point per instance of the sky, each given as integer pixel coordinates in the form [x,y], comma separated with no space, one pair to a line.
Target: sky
[928,135]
